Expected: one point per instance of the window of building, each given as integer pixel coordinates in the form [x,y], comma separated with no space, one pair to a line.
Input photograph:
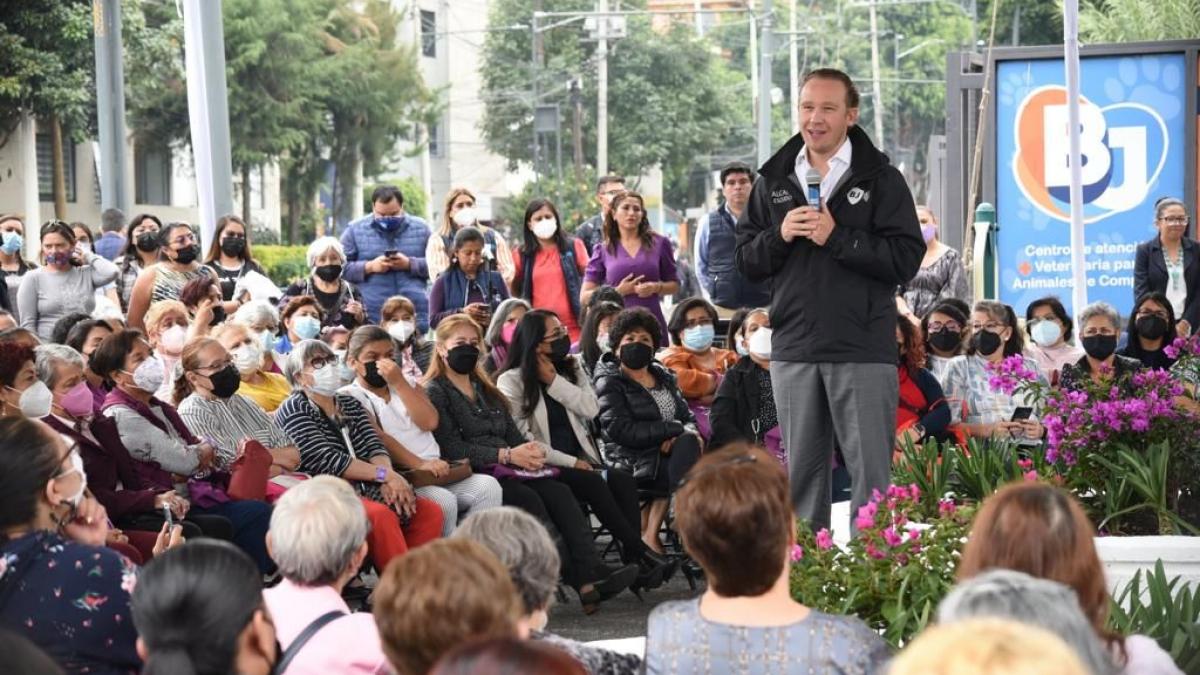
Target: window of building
[45,163]
[152,175]
[435,139]
[429,33]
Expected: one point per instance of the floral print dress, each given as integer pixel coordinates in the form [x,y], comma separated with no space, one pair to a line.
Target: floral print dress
[71,600]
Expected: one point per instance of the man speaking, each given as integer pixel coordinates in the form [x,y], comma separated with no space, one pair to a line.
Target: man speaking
[833,226]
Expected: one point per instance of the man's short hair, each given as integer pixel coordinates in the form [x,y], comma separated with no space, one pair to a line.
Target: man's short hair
[605,180]
[724,491]
[736,167]
[852,98]
[385,194]
[112,220]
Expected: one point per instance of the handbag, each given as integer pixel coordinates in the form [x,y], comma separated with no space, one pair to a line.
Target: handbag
[502,471]
[249,472]
[459,470]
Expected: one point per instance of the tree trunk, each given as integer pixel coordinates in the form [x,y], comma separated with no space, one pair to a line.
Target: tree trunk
[246,194]
[60,179]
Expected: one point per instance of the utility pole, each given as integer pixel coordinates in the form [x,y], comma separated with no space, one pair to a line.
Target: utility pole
[794,70]
[536,45]
[698,5]
[877,106]
[602,90]
[577,135]
[752,57]
[766,24]
[110,105]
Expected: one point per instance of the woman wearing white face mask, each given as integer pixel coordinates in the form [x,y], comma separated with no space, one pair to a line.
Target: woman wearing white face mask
[167,331]
[413,351]
[550,266]
[460,212]
[1048,324]
[22,395]
[53,538]
[744,409]
[167,453]
[265,388]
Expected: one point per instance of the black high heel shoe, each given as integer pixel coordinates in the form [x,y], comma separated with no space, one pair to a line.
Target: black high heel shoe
[611,583]
[652,572]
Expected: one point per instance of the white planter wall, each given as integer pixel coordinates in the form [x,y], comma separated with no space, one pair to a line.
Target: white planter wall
[1124,556]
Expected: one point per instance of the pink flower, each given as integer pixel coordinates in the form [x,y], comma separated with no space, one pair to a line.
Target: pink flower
[874,552]
[891,537]
[866,516]
[824,540]
[914,492]
[1031,476]
[946,507]
[797,553]
[1025,464]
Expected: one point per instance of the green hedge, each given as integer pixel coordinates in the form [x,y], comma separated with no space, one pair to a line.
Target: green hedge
[283,264]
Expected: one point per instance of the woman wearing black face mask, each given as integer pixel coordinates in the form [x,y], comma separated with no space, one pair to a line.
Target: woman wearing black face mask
[647,425]
[340,300]
[553,402]
[141,251]
[230,259]
[982,411]
[945,331]
[474,423]
[165,279]
[1100,325]
[212,408]
[1151,329]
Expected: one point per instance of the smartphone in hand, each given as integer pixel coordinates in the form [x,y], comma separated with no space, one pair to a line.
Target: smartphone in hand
[1022,413]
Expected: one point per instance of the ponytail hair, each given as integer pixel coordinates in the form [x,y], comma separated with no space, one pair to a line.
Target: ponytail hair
[189,360]
[191,605]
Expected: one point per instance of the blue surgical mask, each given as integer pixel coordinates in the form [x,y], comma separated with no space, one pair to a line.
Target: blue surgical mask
[12,242]
[307,327]
[1045,332]
[268,341]
[389,223]
[698,338]
[741,349]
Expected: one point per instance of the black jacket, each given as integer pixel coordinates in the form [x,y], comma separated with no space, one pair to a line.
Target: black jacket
[1150,274]
[735,408]
[631,425]
[835,302]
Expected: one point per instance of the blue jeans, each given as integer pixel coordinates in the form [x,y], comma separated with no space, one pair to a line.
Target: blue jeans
[250,520]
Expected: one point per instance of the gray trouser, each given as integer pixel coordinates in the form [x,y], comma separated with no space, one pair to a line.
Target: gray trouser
[852,403]
[476,492]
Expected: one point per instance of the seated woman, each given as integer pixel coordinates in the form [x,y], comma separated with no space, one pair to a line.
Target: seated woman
[269,390]
[922,412]
[946,332]
[84,337]
[209,403]
[1041,530]
[54,540]
[167,330]
[734,332]
[467,286]
[341,303]
[593,337]
[262,320]
[168,454]
[1151,330]
[985,412]
[553,402]
[200,609]
[132,502]
[336,438]
[647,425]
[744,409]
[698,365]
[202,297]
[499,334]
[398,317]
[405,421]
[301,319]
[747,614]
[1100,324]
[1050,327]
[474,423]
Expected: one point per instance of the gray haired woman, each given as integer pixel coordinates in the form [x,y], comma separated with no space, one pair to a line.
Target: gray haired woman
[524,546]
[500,332]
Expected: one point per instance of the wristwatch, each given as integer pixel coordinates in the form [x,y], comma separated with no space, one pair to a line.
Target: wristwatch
[381,474]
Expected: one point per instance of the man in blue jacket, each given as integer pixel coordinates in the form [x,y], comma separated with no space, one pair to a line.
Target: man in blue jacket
[385,255]
[835,267]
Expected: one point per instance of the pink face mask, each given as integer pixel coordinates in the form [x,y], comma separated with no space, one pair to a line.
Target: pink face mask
[78,401]
[507,332]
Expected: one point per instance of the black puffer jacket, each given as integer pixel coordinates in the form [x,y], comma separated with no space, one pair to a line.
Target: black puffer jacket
[630,423]
[735,409]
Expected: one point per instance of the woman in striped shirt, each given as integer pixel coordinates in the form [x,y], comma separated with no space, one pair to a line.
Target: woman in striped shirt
[336,437]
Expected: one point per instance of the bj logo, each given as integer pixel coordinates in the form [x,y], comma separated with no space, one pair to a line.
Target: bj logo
[1124,147]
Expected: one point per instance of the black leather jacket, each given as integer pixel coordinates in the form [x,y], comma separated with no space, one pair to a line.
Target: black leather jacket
[631,425]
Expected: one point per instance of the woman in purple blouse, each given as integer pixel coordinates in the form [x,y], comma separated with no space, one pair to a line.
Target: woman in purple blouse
[637,262]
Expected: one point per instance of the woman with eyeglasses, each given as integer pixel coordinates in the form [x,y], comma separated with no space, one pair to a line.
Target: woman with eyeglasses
[699,366]
[946,331]
[67,283]
[1151,329]
[984,411]
[1100,325]
[1170,264]
[165,279]
[59,586]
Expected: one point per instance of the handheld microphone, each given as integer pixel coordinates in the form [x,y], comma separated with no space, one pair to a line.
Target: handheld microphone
[813,178]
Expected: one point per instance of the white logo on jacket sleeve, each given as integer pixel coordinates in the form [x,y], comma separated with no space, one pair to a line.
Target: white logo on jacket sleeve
[858,194]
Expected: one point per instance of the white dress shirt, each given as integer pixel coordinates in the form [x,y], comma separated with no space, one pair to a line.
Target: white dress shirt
[839,164]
